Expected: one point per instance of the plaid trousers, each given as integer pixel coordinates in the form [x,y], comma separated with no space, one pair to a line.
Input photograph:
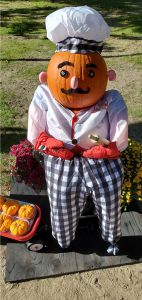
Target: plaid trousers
[70,182]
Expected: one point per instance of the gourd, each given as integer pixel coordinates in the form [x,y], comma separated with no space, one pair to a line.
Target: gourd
[2,200]
[19,227]
[91,72]
[10,207]
[5,222]
[26,211]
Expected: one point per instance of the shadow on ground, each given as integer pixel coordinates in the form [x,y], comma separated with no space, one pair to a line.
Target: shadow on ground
[117,14]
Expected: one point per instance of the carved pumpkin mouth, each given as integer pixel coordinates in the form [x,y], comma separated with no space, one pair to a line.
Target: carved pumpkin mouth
[73,91]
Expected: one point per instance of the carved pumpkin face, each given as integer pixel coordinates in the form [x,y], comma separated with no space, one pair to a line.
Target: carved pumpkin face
[77,80]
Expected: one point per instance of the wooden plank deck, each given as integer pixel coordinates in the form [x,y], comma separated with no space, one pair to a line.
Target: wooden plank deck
[86,252]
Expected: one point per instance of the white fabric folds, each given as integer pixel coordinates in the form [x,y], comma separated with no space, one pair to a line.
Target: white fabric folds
[109,115]
[80,22]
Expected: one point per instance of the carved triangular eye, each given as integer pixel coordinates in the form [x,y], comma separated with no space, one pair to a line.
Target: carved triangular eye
[64,73]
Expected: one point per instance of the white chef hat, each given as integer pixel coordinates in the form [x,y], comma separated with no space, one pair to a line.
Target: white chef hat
[77,29]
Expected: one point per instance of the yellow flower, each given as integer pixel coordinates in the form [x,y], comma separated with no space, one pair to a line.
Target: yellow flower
[140,199]
[138,160]
[128,197]
[128,184]
[139,193]
[139,186]
[121,200]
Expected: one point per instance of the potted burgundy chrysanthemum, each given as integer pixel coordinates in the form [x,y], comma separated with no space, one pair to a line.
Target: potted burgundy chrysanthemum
[25,168]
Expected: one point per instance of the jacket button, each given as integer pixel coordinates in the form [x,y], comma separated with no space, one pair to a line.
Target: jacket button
[74,141]
[75,119]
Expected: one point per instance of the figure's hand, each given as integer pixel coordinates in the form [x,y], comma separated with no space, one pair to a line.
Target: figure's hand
[101,152]
[52,146]
[50,143]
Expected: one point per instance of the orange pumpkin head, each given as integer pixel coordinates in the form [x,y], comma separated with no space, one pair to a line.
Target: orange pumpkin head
[5,222]
[19,227]
[77,80]
[10,207]
[26,211]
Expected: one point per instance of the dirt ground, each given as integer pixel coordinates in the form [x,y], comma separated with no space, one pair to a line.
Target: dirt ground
[120,283]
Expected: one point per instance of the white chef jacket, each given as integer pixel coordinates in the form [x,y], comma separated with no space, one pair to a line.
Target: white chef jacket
[108,118]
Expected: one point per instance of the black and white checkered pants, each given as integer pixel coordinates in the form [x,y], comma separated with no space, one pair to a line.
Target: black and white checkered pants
[70,182]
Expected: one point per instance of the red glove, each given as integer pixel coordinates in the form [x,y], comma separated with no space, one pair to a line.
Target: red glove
[101,152]
[50,144]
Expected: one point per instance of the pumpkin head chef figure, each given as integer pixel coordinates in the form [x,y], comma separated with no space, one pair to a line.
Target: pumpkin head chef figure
[63,115]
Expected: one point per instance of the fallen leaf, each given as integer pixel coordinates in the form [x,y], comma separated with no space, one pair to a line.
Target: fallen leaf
[0,169]
[7,187]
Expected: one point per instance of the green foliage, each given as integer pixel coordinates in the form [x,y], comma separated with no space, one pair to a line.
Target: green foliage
[21,27]
[11,135]
[136,60]
[28,17]
[27,49]
[136,113]
[28,72]
[8,115]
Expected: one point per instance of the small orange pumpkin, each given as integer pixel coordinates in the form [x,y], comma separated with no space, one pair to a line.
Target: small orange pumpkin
[2,200]
[10,207]
[5,222]
[26,211]
[19,227]
[91,72]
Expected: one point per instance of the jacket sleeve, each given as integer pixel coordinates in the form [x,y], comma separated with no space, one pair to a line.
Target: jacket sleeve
[118,121]
[37,116]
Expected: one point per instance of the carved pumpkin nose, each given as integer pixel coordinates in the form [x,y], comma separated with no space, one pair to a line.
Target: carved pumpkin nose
[74,82]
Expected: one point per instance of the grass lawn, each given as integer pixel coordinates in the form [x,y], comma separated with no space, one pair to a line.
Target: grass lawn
[26,52]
